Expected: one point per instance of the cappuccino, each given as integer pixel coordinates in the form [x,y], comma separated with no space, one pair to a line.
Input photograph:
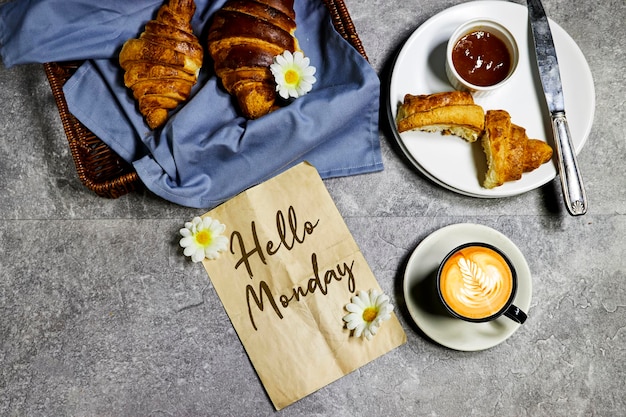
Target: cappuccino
[476,282]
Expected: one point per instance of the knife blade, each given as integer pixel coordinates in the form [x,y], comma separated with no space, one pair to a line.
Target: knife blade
[548,65]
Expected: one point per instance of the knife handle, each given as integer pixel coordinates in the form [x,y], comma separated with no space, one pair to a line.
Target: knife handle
[571,180]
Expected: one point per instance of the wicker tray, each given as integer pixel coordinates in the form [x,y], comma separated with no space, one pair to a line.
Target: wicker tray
[98,167]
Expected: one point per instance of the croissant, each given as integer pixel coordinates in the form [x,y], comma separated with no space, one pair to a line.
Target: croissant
[162,65]
[509,151]
[452,112]
[243,40]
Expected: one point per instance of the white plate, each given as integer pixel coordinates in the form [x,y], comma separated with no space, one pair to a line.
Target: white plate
[450,161]
[423,303]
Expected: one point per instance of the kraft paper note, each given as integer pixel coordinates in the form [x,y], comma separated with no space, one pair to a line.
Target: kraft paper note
[291,267]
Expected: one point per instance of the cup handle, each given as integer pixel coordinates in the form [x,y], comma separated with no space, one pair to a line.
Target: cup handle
[515,314]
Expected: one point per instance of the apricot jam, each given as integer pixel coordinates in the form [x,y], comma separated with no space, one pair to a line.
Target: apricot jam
[481,58]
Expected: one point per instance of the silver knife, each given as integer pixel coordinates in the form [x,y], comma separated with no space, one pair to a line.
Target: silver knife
[571,180]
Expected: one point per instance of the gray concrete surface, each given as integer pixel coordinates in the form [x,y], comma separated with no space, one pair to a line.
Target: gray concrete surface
[101,315]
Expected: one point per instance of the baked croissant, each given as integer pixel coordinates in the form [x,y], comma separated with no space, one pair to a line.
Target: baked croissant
[452,112]
[243,40]
[509,151]
[162,65]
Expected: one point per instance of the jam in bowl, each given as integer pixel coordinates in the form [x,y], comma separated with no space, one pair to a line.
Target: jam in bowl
[481,56]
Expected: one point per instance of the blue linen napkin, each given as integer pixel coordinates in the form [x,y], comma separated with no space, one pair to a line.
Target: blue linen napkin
[207,152]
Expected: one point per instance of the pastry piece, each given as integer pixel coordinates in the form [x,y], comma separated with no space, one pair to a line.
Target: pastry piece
[243,40]
[451,113]
[504,147]
[162,65]
[536,153]
[509,151]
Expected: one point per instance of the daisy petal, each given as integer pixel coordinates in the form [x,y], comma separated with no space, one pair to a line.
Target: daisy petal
[357,301]
[353,308]
[197,256]
[358,330]
[186,241]
[352,322]
[367,334]
[189,250]
[364,298]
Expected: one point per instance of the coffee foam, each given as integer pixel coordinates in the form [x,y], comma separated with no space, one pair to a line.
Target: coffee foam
[476,282]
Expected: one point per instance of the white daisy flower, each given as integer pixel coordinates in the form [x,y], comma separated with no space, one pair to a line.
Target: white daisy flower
[293,74]
[202,238]
[367,311]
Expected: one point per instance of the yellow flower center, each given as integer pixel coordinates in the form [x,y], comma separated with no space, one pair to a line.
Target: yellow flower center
[203,237]
[291,76]
[369,314]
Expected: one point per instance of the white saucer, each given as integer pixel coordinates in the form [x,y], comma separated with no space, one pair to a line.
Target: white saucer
[450,161]
[422,300]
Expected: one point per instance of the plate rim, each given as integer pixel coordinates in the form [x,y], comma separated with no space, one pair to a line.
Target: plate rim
[488,235]
[488,194]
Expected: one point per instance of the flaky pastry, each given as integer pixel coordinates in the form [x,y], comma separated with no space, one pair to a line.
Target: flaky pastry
[508,149]
[451,113]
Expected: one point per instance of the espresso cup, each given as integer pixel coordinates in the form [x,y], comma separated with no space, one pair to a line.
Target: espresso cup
[476,282]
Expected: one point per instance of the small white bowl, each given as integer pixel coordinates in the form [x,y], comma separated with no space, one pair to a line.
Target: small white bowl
[497,30]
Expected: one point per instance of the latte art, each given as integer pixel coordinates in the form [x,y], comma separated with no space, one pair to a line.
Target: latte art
[476,282]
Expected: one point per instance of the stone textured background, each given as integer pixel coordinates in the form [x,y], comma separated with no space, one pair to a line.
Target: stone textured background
[101,315]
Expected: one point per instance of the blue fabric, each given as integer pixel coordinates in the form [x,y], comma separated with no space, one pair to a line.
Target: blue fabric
[206,153]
